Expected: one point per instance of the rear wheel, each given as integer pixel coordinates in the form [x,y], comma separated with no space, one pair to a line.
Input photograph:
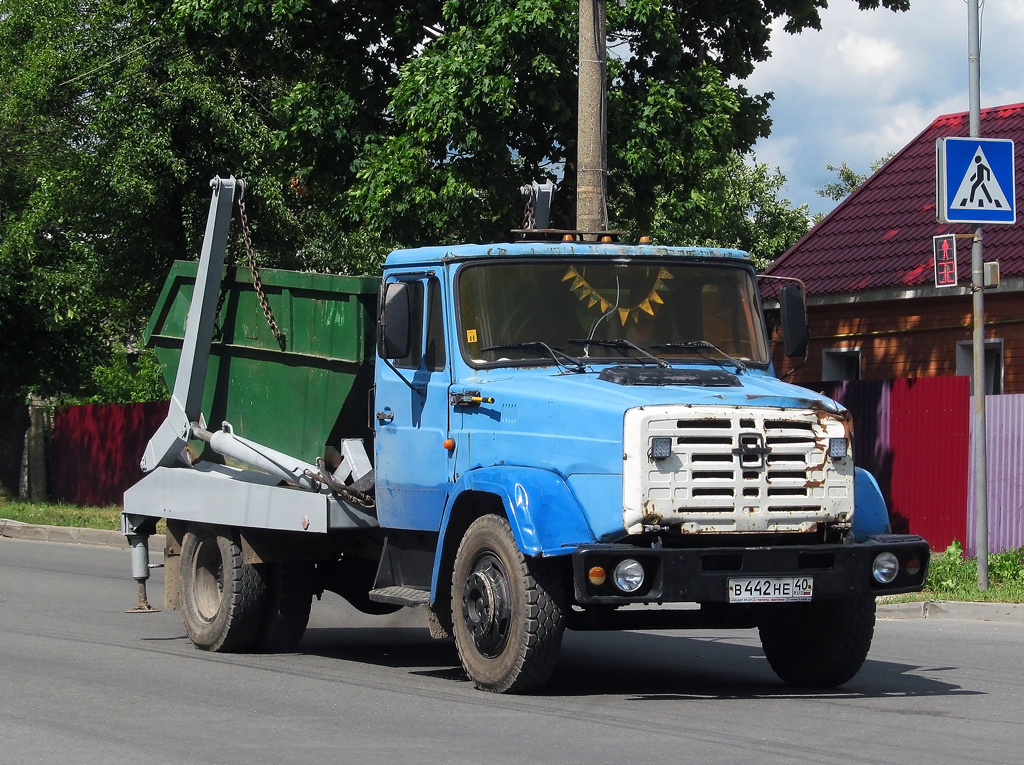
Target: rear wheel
[820,644]
[222,598]
[289,597]
[508,611]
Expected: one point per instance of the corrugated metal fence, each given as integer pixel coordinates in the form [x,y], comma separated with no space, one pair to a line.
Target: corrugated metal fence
[913,435]
[916,437]
[96,450]
[1004,420]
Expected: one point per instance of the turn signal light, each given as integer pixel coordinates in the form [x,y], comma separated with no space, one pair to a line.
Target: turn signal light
[449,444]
[568,238]
[645,240]
[912,566]
[597,575]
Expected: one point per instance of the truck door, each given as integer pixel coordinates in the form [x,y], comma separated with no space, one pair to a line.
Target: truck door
[413,468]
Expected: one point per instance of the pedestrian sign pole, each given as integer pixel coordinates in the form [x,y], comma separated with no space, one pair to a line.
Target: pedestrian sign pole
[978,335]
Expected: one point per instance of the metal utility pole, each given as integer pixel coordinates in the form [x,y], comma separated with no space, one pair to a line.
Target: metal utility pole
[591,151]
[977,285]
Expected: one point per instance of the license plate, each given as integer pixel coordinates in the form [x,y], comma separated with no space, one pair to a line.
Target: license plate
[770,589]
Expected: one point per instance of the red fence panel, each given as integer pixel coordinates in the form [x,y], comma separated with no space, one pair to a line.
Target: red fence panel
[930,441]
[97,449]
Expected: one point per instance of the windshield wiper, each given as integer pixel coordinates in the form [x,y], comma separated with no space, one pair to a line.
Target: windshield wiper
[559,356]
[622,345]
[704,345]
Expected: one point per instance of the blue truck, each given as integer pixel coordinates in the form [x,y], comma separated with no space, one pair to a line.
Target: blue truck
[565,435]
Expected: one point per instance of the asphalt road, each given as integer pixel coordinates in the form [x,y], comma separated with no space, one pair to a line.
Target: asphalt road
[83,682]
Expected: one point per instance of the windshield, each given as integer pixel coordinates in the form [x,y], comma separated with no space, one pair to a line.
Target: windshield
[672,311]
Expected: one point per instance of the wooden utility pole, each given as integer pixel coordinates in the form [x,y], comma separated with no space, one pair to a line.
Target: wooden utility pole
[592,141]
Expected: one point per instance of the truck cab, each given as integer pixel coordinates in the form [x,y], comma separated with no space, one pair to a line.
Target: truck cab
[615,407]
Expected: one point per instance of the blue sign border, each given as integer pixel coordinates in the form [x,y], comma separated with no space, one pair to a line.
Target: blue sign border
[954,157]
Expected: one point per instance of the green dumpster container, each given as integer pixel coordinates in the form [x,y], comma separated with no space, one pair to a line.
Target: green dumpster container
[300,398]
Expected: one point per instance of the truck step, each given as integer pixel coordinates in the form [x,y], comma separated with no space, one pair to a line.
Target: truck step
[401,596]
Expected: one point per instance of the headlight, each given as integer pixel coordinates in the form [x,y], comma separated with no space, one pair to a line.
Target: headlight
[837,448]
[661,447]
[628,575]
[885,568]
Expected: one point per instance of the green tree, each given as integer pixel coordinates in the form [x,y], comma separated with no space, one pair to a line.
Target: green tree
[490,104]
[359,125]
[113,118]
[736,205]
[849,180]
[111,129]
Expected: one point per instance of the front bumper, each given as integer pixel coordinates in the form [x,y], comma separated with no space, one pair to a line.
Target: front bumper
[692,575]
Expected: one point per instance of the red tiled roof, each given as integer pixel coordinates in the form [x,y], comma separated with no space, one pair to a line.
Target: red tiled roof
[881,235]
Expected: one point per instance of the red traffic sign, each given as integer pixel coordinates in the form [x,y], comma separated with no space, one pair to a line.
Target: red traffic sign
[944,257]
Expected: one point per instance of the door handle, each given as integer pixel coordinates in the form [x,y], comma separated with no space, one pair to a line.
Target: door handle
[385,417]
[468,398]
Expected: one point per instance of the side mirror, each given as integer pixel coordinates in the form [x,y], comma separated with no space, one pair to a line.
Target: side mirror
[394,329]
[793,312]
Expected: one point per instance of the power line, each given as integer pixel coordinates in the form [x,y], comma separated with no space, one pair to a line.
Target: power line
[111,61]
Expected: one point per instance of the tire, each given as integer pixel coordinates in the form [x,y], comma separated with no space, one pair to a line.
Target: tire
[289,597]
[820,644]
[508,611]
[222,599]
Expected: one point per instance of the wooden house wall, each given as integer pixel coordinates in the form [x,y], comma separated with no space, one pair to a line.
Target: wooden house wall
[909,338]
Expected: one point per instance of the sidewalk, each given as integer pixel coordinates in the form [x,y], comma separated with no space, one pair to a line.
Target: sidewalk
[1011,613]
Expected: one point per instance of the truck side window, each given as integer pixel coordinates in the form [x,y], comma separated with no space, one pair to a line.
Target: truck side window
[412,360]
[435,355]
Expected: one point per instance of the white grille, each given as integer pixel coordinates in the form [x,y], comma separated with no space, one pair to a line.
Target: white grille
[735,469]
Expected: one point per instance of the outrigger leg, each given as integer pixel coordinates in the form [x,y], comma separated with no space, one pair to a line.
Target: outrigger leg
[138,529]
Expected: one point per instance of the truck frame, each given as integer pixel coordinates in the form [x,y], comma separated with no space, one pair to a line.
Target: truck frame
[566,435]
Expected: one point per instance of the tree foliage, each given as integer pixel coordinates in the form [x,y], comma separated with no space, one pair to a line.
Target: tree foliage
[737,204]
[848,180]
[359,125]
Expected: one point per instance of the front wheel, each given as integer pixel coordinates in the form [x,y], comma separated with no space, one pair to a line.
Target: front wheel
[820,644]
[508,611]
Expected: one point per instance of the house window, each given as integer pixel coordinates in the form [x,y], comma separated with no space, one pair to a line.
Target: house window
[840,364]
[993,364]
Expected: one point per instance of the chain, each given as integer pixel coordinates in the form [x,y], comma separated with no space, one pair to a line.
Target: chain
[529,220]
[256,281]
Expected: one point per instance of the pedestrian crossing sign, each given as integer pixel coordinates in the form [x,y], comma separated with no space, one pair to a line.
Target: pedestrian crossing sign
[975,181]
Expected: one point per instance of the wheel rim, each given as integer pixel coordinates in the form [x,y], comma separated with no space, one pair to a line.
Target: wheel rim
[486,605]
[208,576]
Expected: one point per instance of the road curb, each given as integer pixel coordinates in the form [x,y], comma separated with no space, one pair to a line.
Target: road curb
[1010,613]
[71,535]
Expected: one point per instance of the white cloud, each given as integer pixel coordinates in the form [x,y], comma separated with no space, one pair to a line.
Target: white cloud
[870,81]
[865,56]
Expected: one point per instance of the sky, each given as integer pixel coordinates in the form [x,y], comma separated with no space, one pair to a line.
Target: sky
[869,81]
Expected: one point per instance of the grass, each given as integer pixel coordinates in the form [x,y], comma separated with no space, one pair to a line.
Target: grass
[951,576]
[60,514]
